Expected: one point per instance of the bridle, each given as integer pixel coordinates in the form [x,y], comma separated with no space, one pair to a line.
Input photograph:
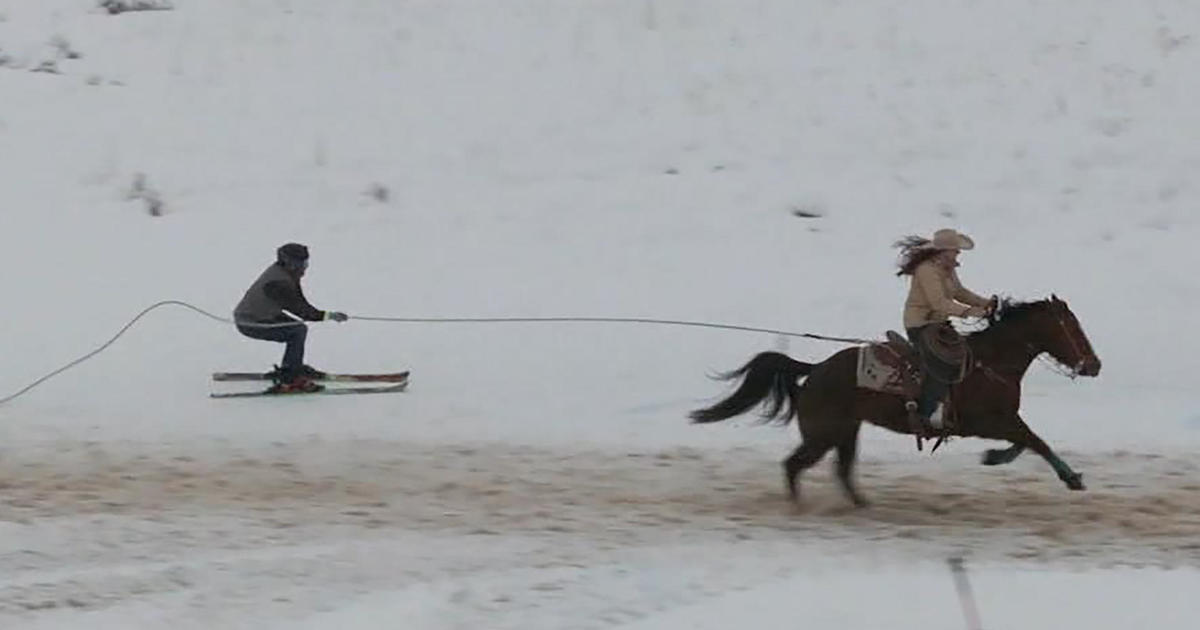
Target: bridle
[1079,347]
[1070,371]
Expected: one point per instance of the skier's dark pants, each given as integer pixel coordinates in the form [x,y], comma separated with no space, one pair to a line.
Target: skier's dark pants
[293,335]
[933,389]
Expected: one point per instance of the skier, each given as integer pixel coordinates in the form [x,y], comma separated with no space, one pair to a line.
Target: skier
[276,298]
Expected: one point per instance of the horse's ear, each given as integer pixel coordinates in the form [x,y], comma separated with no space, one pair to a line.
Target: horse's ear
[1054,298]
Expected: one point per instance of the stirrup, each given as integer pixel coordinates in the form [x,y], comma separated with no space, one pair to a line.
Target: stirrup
[920,428]
[942,428]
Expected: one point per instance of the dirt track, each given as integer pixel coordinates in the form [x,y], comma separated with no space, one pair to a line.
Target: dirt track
[1141,509]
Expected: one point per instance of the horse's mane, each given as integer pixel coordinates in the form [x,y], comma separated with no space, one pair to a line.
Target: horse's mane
[1012,311]
[1010,308]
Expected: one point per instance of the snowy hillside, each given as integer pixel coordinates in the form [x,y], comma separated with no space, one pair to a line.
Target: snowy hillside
[645,158]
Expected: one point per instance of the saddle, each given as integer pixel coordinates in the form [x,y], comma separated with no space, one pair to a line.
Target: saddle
[891,367]
[901,346]
[894,365]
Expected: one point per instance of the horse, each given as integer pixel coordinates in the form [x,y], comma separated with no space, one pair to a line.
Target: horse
[829,408]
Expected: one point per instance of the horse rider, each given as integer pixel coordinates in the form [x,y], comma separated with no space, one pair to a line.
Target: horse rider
[935,294]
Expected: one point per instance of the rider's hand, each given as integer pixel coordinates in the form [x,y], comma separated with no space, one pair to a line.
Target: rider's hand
[977,311]
[336,316]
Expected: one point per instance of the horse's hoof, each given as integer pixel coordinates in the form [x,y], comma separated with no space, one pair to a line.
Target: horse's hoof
[993,457]
[1075,481]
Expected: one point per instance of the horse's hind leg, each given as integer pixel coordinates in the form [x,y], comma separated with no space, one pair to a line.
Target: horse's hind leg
[997,456]
[808,453]
[847,453]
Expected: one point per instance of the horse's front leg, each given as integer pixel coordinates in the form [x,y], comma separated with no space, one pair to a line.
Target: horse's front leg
[997,456]
[1024,436]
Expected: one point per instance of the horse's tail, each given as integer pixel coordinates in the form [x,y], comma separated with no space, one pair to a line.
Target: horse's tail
[769,378]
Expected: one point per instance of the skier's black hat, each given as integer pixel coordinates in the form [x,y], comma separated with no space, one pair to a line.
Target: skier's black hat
[291,253]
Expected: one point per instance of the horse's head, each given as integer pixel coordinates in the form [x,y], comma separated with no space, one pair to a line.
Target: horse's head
[1053,329]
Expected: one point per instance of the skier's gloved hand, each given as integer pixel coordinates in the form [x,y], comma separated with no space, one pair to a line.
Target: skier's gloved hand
[336,316]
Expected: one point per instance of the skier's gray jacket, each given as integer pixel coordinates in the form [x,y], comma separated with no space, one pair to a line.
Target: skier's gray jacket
[275,291]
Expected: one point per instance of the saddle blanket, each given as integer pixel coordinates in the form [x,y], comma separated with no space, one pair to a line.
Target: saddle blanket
[882,369]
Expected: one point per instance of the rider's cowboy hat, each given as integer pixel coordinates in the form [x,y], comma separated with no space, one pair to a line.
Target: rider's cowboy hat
[951,239]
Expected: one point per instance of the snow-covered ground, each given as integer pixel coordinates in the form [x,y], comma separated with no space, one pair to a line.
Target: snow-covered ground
[589,158]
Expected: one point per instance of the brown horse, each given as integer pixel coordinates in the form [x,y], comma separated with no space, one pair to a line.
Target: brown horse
[829,407]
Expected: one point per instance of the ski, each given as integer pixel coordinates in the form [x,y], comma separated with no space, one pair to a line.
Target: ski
[391,377]
[328,391]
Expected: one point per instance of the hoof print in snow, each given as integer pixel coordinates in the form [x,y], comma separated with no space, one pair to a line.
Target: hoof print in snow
[62,48]
[1112,127]
[48,67]
[116,7]
[807,212]
[379,192]
[139,190]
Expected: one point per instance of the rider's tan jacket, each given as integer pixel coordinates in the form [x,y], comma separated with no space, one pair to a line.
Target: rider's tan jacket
[935,294]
